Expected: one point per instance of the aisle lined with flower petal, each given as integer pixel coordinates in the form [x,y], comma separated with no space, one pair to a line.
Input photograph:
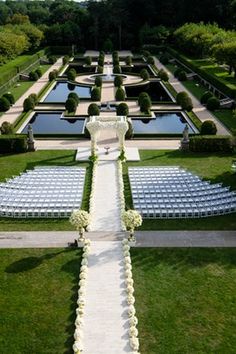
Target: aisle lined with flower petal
[106,202]
[106,324]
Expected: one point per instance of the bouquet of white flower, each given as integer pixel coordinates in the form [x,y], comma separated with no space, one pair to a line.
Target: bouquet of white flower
[132,219]
[80,219]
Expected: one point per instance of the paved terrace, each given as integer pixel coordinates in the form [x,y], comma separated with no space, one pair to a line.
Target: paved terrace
[47,239]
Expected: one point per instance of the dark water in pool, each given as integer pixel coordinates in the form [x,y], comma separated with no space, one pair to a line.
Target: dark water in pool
[50,123]
[165,123]
[61,90]
[154,89]
[136,69]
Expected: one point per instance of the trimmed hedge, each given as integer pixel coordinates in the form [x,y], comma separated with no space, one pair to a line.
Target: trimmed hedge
[230,91]
[13,144]
[210,143]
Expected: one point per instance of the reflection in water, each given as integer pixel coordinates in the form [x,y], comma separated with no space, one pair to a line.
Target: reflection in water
[165,123]
[52,123]
[61,90]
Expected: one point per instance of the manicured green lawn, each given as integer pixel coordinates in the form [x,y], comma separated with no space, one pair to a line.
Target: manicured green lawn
[185,300]
[18,91]
[213,167]
[227,117]
[14,164]
[38,300]
[216,70]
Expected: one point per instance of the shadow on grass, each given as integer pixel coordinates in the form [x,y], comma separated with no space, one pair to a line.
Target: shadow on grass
[180,258]
[55,161]
[29,263]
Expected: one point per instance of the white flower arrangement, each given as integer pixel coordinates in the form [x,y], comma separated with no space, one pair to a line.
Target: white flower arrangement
[93,184]
[133,321]
[121,192]
[80,219]
[79,323]
[132,219]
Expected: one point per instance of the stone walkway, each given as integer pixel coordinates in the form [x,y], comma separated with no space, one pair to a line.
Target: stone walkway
[105,314]
[12,114]
[51,239]
[106,214]
[70,144]
[200,110]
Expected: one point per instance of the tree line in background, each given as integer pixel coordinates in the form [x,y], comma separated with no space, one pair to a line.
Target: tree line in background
[118,24]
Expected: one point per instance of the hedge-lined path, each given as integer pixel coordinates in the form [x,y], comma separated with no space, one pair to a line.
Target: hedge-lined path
[50,239]
[106,198]
[201,111]
[105,313]
[13,113]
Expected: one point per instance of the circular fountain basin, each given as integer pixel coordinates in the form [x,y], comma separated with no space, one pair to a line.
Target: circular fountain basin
[106,78]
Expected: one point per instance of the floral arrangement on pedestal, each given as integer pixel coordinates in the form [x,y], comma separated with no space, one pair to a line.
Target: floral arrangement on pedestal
[78,334]
[133,321]
[121,192]
[132,219]
[80,219]
[91,198]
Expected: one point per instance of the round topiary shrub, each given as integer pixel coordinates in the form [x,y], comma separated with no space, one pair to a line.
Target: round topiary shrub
[100,69]
[100,61]
[117,69]
[65,59]
[180,97]
[144,74]
[177,71]
[142,95]
[120,94]
[71,75]
[118,81]
[74,96]
[88,60]
[52,75]
[187,104]
[130,132]
[145,104]
[150,60]
[122,109]
[9,96]
[164,59]
[28,104]
[116,62]
[128,60]
[71,105]
[182,76]
[96,94]
[4,104]
[39,72]
[98,81]
[208,128]
[52,59]
[34,97]
[205,97]
[6,128]
[93,110]
[33,76]
[162,74]
[213,103]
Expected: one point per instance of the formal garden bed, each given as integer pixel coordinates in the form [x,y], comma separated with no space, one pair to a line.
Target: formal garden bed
[38,299]
[215,167]
[185,299]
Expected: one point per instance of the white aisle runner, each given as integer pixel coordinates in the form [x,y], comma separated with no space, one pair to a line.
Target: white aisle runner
[106,215]
[106,322]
